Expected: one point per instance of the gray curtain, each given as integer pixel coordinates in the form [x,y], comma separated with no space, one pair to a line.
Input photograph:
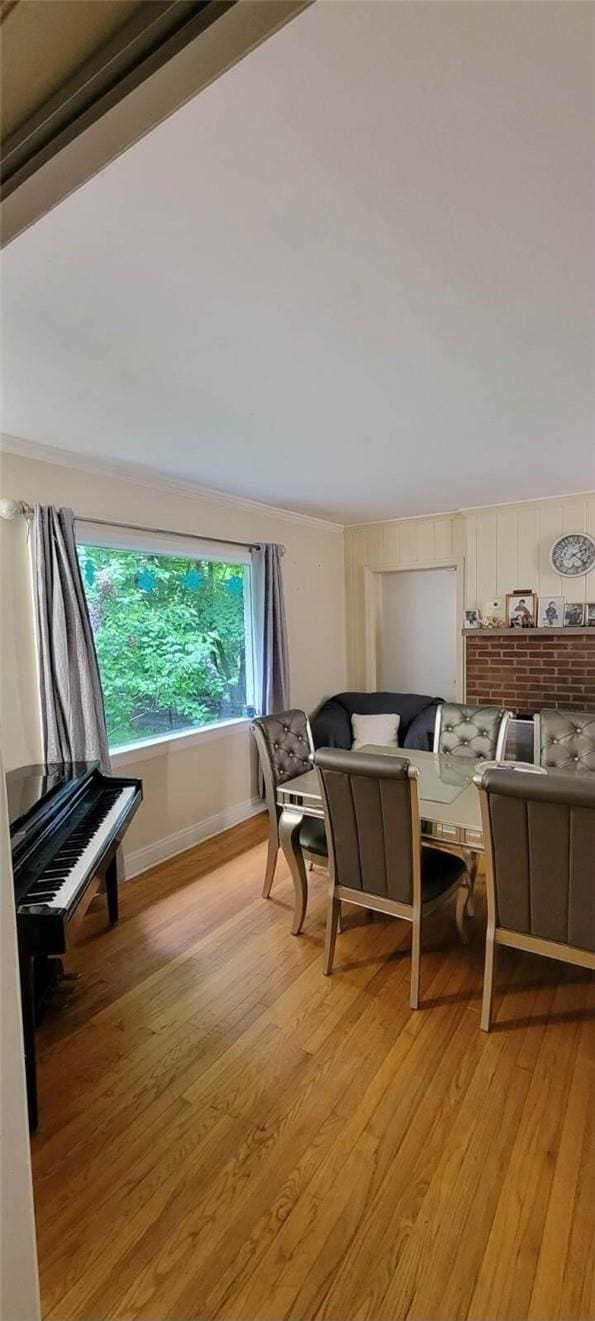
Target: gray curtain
[72,711]
[270,630]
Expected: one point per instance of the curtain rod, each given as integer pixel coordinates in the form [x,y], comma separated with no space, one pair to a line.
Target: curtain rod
[166,532]
[21,507]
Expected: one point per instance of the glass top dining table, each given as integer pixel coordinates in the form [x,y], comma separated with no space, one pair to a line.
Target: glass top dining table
[449,808]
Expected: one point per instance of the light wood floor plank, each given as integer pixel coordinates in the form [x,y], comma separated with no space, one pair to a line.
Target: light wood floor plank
[507,1272]
[225,1133]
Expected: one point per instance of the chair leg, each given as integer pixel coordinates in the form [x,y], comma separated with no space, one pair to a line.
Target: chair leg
[415,962]
[488,982]
[340,920]
[333,914]
[462,904]
[272,855]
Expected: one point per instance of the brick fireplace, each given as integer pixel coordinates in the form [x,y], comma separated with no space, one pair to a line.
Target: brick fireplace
[525,670]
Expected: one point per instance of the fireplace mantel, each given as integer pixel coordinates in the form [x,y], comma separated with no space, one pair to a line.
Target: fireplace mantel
[569,631]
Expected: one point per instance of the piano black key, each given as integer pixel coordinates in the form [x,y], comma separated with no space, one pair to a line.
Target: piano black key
[31,900]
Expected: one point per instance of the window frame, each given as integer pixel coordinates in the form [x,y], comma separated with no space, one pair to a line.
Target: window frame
[161,543]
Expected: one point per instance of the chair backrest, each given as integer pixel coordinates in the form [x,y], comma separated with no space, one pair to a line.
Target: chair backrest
[372,823]
[471,731]
[539,832]
[284,743]
[565,739]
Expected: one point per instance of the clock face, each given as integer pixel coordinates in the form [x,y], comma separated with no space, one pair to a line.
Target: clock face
[573,554]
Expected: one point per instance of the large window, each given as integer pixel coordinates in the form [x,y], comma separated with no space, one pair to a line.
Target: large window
[173,639]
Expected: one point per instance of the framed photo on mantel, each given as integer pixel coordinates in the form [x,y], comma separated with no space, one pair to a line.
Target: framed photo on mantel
[574,614]
[521,609]
[551,612]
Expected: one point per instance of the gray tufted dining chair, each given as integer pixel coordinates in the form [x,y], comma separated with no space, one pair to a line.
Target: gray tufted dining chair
[376,860]
[471,731]
[565,740]
[539,834]
[285,748]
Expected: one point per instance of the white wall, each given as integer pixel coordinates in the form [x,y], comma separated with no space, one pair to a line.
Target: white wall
[208,783]
[19,1289]
[500,547]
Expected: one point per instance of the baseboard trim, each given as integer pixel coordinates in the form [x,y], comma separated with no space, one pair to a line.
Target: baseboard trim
[139,860]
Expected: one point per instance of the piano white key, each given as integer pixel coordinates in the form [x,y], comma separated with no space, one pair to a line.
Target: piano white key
[83,867]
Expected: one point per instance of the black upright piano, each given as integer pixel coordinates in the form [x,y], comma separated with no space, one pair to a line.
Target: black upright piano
[66,822]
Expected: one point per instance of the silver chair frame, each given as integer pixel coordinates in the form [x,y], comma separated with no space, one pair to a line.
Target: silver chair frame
[270,798]
[537,739]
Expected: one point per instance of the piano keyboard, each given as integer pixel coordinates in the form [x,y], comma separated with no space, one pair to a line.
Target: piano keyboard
[74,863]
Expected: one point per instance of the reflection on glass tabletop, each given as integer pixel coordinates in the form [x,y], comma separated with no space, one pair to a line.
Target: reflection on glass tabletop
[442,778]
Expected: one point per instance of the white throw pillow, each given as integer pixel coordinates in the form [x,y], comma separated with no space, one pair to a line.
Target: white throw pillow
[381,730]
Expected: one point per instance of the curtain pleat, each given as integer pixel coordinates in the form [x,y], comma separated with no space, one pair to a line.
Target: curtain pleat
[270,630]
[73,717]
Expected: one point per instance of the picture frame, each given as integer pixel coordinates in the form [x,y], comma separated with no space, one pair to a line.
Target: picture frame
[574,614]
[551,612]
[521,609]
[472,619]
[590,614]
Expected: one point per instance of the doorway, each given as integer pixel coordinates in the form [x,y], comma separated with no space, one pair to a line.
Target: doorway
[417,637]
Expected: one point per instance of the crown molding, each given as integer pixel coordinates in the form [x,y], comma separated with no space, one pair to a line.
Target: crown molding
[466,510]
[154,479]
[143,475]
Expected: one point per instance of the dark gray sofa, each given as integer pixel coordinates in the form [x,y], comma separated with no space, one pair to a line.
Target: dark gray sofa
[331,723]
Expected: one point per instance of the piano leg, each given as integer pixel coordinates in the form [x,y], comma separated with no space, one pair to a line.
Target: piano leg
[111,890]
[27,974]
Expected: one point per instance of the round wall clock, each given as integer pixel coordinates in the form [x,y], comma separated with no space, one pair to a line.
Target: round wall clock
[573,554]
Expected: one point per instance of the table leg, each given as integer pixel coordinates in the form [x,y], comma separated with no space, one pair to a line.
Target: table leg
[471,863]
[465,898]
[289,839]
[27,973]
[111,890]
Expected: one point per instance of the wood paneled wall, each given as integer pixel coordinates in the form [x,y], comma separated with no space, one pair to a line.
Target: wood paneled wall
[510,547]
[501,548]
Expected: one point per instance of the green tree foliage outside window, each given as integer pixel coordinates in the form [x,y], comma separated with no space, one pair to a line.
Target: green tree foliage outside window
[170,635]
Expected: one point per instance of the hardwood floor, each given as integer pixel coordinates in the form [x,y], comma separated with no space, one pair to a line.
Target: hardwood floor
[225,1133]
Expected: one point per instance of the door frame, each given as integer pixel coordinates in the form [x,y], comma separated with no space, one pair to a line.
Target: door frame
[373,614]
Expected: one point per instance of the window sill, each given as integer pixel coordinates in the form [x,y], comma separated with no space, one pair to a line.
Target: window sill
[133,753]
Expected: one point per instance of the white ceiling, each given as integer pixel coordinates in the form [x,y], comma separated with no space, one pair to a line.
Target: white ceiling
[354,277]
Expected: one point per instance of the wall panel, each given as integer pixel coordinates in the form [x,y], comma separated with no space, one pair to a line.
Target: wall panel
[507,552]
[487,557]
[550,527]
[409,542]
[528,543]
[444,538]
[426,540]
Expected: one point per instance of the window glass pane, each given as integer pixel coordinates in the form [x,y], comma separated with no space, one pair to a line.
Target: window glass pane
[171,642]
